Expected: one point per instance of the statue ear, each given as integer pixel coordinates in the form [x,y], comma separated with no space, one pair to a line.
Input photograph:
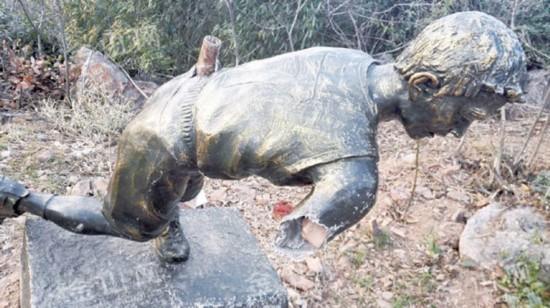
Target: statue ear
[422,82]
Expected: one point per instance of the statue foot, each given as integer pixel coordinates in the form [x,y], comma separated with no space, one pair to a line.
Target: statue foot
[172,246]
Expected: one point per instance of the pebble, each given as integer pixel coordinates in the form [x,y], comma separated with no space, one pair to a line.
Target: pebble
[45,156]
[387,295]
[314,265]
[297,281]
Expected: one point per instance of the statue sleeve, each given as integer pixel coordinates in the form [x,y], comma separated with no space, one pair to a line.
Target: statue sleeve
[344,192]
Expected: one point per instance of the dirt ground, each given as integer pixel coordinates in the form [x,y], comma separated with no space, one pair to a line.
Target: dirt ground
[393,258]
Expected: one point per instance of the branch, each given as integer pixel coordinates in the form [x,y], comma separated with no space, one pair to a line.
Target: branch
[413,189]
[291,29]
[537,147]
[498,157]
[230,9]
[357,36]
[36,29]
[65,52]
[532,129]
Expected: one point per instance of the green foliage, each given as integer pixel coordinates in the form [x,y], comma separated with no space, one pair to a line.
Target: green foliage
[432,248]
[163,36]
[357,257]
[523,285]
[382,239]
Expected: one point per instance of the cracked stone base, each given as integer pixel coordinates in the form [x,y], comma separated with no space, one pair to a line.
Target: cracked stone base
[226,268]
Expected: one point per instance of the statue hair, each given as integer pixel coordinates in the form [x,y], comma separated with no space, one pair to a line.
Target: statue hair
[468,52]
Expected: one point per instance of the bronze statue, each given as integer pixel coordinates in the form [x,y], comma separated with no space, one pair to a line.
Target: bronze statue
[301,118]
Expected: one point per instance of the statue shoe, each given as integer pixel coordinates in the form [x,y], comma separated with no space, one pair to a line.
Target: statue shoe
[10,194]
[172,246]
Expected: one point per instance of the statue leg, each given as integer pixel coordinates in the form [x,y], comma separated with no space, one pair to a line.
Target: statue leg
[172,245]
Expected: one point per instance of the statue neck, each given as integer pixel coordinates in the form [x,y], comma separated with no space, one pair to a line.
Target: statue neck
[387,89]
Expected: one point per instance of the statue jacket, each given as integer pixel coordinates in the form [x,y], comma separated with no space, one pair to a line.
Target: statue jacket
[279,116]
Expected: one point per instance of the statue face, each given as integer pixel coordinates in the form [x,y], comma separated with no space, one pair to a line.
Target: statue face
[428,116]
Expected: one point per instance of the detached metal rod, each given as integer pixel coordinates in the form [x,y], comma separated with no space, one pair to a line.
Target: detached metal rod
[208,56]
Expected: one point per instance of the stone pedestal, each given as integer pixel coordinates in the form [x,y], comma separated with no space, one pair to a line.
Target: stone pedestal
[226,268]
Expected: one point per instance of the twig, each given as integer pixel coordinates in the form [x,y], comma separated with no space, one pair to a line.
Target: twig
[65,52]
[356,29]
[537,147]
[413,189]
[38,32]
[231,10]
[532,129]
[498,157]
[460,144]
[293,24]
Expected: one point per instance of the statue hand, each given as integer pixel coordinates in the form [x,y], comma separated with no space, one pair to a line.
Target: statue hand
[10,194]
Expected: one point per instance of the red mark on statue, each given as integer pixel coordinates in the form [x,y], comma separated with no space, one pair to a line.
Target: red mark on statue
[281,209]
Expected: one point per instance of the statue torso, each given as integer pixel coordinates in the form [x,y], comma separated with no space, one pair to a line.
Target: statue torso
[279,116]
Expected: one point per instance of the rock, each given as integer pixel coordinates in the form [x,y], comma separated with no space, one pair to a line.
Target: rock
[297,281]
[537,83]
[98,71]
[226,268]
[96,186]
[500,236]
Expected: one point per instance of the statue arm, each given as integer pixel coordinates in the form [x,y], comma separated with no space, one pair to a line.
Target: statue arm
[343,193]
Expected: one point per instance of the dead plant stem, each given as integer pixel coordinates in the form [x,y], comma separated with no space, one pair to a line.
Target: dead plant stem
[537,147]
[532,129]
[413,189]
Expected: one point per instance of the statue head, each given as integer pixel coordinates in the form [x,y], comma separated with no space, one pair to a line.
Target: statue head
[460,68]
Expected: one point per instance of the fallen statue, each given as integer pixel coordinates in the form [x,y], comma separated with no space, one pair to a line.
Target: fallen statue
[302,118]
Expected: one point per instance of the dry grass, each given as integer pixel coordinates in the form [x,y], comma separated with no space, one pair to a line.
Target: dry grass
[94,116]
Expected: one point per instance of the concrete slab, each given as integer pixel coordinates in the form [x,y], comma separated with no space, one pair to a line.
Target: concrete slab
[226,268]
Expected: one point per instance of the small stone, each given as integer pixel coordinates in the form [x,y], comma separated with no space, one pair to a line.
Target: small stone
[459,216]
[399,232]
[425,192]
[399,194]
[387,295]
[45,156]
[440,277]
[90,187]
[383,304]
[314,265]
[73,179]
[41,137]
[460,196]
[297,281]
[409,158]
